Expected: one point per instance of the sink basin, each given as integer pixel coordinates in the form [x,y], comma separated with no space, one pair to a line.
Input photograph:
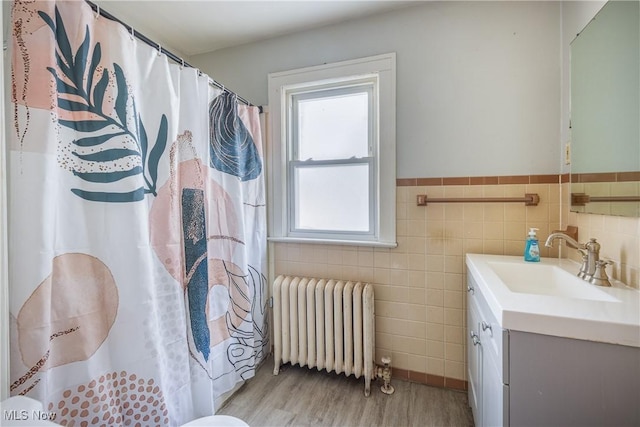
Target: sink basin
[543,279]
[547,298]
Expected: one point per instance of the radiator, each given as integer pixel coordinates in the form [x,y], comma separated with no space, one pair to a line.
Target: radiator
[324,324]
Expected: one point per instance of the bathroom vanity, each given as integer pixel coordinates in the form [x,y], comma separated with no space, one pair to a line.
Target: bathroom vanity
[547,348]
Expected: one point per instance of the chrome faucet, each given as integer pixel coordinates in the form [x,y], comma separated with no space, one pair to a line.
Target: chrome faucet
[560,235]
[591,257]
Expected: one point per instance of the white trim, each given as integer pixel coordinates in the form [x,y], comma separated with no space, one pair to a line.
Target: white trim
[384,66]
[372,243]
[4,274]
[296,163]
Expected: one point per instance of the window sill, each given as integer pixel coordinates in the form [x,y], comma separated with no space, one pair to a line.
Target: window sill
[375,244]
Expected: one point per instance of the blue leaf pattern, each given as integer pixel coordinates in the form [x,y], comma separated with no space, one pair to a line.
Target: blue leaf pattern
[91,141]
[100,196]
[157,150]
[231,146]
[88,99]
[104,177]
[100,90]
[107,155]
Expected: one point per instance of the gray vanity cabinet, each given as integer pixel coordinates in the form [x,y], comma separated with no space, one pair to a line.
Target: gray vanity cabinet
[567,382]
[521,378]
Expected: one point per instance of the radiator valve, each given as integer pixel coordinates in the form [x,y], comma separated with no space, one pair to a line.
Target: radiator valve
[384,372]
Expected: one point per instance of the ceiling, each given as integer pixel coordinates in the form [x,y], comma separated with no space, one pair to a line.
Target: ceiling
[193,27]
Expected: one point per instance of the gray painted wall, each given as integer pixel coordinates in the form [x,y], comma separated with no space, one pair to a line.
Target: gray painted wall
[478,83]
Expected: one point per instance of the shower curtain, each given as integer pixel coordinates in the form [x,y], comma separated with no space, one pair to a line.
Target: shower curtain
[137,226]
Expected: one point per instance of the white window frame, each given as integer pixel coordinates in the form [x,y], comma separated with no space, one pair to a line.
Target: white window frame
[367,84]
[377,70]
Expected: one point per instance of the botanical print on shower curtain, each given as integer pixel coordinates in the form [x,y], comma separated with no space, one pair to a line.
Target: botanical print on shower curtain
[137,227]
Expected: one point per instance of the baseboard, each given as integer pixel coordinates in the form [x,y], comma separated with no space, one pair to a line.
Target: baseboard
[428,379]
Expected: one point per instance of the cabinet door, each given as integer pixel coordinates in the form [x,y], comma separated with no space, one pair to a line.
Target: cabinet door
[474,358]
[492,393]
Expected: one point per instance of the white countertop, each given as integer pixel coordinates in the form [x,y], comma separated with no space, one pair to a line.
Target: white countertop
[615,322]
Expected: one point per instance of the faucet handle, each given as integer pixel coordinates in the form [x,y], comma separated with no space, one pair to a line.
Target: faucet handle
[600,277]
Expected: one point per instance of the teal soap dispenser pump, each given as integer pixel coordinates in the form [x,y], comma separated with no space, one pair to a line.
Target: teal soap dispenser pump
[532,248]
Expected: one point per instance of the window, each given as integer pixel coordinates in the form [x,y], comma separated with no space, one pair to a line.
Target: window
[331,163]
[332,126]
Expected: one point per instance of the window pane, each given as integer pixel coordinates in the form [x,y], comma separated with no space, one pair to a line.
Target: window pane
[332,198]
[333,127]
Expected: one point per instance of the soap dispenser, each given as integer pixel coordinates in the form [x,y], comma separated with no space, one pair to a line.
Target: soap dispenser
[532,248]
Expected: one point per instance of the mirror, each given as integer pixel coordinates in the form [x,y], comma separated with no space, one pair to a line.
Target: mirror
[605,112]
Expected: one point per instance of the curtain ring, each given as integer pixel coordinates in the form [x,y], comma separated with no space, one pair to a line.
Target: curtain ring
[133,34]
[159,50]
[97,11]
[182,60]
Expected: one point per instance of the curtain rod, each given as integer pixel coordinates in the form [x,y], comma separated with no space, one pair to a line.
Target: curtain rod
[157,46]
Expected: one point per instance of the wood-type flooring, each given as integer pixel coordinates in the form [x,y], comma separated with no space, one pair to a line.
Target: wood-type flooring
[305,397]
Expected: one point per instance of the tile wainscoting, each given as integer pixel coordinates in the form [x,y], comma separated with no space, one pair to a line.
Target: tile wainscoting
[420,284]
